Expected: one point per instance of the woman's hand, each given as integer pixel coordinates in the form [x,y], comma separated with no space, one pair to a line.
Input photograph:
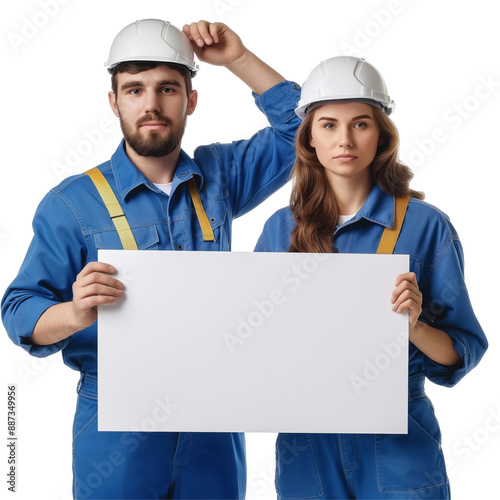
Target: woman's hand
[434,343]
[407,297]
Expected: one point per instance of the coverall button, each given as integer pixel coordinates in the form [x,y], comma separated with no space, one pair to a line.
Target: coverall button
[180,247]
[212,220]
[295,86]
[183,173]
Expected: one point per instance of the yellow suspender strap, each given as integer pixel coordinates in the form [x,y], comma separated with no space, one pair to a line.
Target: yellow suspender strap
[120,221]
[114,209]
[390,236]
[206,228]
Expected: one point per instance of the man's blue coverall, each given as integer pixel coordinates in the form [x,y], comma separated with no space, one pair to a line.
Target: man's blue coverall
[72,223]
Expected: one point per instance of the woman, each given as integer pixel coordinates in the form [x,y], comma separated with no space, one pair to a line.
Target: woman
[346,180]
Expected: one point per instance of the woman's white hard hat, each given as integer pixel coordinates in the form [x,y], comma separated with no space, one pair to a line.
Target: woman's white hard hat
[344,78]
[152,40]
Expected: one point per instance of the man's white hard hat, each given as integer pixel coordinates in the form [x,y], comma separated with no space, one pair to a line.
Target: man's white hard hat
[152,40]
[344,78]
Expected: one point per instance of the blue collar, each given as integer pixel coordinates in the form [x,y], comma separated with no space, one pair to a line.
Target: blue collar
[379,207]
[128,177]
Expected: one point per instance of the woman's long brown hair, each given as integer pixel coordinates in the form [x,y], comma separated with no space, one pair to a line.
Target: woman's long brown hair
[313,202]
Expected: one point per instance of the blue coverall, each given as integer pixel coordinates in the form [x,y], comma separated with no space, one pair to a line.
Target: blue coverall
[364,466]
[72,223]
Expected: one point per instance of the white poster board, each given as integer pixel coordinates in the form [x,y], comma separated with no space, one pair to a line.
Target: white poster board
[266,342]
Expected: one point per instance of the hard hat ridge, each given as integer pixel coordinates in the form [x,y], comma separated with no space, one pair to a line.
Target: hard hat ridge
[152,40]
[344,78]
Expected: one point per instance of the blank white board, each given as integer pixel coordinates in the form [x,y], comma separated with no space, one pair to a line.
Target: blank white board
[265,342]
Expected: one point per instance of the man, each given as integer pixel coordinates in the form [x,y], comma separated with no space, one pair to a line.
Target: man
[169,202]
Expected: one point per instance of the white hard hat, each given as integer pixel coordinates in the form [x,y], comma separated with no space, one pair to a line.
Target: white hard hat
[344,78]
[152,40]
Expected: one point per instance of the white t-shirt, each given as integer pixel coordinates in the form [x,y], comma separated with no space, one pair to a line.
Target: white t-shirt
[344,218]
[166,188]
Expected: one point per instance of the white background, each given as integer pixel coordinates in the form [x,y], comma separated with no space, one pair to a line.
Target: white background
[435,57]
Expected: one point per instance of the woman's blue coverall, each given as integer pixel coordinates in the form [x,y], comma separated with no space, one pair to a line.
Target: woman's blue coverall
[72,223]
[363,466]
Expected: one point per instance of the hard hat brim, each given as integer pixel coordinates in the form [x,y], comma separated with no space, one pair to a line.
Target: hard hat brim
[302,110]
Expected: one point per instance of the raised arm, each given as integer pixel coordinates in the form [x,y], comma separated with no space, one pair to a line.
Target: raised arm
[216,44]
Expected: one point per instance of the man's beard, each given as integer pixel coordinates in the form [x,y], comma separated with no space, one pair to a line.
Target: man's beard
[152,143]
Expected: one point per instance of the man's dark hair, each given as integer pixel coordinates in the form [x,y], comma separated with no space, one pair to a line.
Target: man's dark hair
[135,67]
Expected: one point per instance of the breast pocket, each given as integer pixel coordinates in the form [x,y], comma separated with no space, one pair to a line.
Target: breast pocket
[146,238]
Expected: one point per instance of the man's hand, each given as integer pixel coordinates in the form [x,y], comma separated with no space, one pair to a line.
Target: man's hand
[93,287]
[215,43]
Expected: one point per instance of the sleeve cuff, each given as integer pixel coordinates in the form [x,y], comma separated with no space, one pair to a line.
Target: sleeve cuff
[448,376]
[284,95]
[26,318]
